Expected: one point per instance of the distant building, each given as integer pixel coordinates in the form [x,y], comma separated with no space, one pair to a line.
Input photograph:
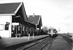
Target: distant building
[35,20]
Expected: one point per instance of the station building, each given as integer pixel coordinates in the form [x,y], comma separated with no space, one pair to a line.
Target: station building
[14,21]
[37,21]
[12,18]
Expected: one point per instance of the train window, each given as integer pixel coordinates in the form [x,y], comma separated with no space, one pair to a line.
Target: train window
[55,31]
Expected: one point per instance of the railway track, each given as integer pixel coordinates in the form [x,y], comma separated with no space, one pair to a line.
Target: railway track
[40,45]
[47,45]
[44,44]
[67,39]
[31,44]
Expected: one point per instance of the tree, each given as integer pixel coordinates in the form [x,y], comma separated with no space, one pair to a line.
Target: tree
[44,30]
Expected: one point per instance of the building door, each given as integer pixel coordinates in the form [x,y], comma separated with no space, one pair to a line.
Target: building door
[13,30]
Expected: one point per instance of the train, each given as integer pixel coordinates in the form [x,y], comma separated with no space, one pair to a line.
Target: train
[52,32]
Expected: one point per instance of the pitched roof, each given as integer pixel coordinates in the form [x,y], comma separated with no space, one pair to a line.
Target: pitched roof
[34,19]
[9,8]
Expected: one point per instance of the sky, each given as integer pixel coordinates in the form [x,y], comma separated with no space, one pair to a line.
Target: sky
[54,13]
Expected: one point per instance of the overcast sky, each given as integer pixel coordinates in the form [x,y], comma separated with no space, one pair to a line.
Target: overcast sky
[55,13]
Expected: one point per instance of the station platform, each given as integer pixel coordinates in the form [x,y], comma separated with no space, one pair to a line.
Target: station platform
[5,42]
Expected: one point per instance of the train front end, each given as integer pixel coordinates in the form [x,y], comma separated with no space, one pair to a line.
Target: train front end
[52,32]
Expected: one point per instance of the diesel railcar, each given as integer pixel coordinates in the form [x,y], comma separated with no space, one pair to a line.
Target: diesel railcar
[52,32]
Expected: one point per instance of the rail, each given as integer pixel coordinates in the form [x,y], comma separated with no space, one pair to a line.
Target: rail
[69,40]
[31,45]
[43,43]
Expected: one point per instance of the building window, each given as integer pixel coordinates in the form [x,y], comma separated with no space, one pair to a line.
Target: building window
[7,26]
